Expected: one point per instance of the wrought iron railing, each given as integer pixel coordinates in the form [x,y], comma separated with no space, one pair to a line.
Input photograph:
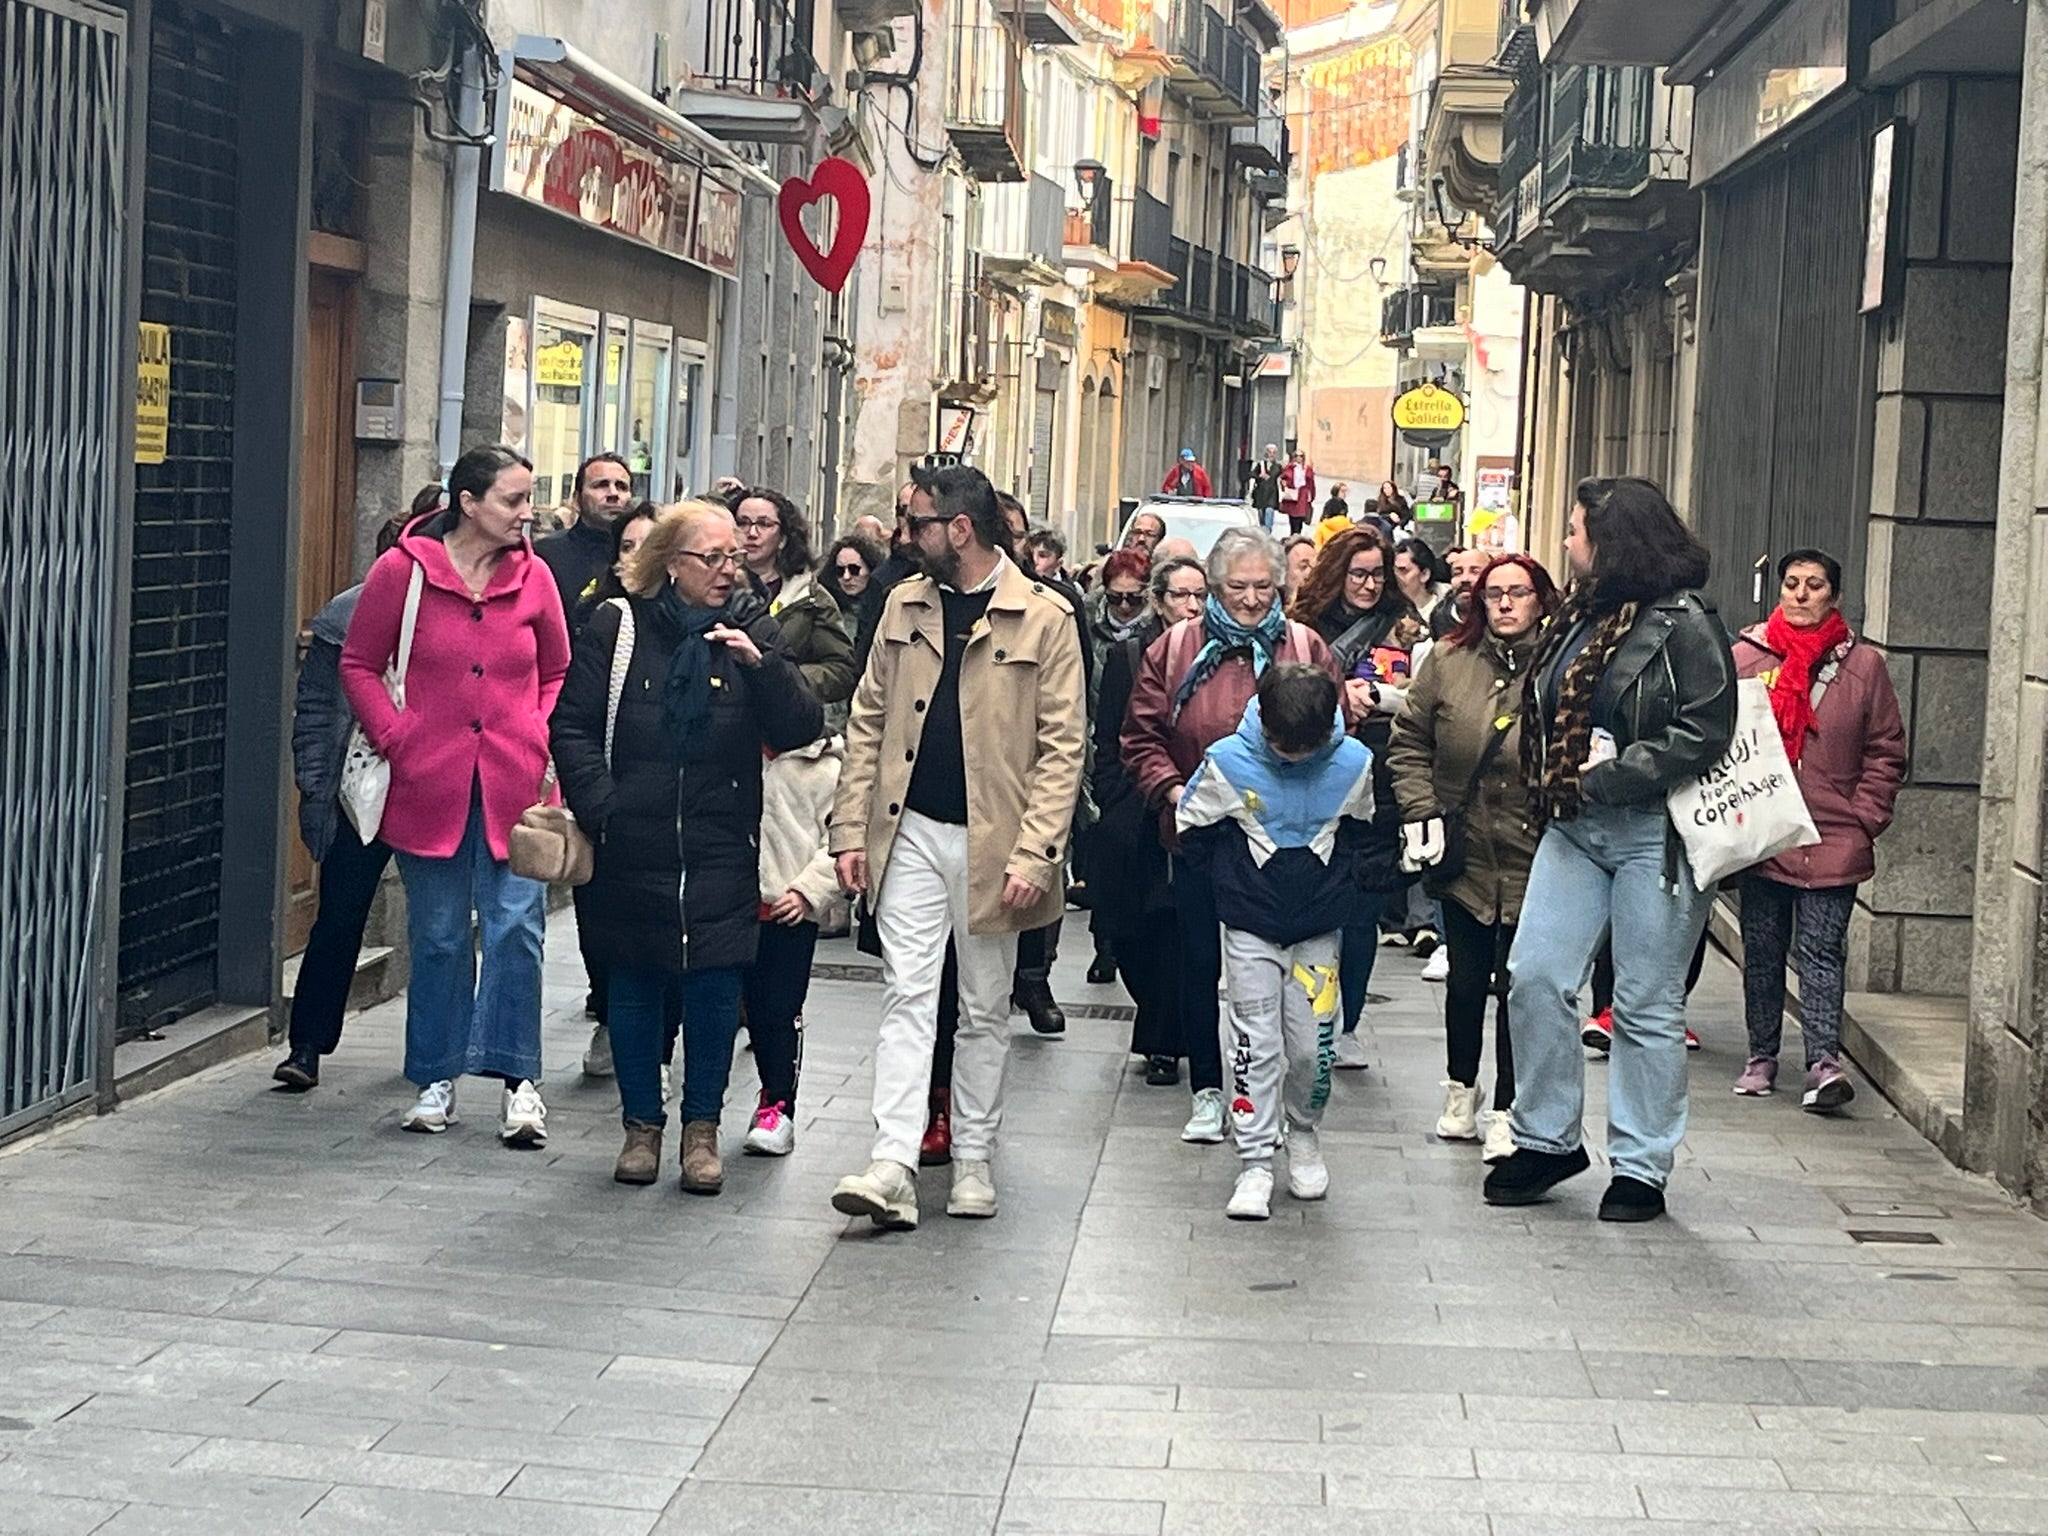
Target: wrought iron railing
[1600,121]
[1408,310]
[1094,225]
[759,46]
[1152,232]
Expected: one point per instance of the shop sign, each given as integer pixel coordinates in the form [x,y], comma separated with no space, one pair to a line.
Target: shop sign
[559,366]
[956,430]
[716,243]
[1056,324]
[152,392]
[1529,202]
[1428,414]
[553,155]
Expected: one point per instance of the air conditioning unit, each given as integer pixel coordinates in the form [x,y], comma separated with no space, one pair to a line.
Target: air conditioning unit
[1155,370]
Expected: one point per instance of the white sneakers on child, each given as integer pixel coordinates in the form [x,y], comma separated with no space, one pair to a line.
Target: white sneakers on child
[1308,1176]
[1252,1198]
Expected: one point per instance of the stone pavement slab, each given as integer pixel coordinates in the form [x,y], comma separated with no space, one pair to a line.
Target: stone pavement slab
[226,1309]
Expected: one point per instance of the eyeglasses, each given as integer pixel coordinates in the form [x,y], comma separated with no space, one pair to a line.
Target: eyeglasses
[757,524]
[924,521]
[714,559]
[1366,577]
[1498,595]
[1125,599]
[855,569]
[1186,594]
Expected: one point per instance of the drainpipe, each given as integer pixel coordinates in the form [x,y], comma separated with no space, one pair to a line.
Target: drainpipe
[465,175]
[1526,403]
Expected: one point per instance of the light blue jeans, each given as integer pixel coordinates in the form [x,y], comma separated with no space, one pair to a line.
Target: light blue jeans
[1604,871]
[454,1024]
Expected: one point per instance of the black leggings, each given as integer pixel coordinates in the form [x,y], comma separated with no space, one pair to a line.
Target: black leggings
[1478,972]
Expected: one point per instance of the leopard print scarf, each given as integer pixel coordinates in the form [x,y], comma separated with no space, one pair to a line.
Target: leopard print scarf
[1553,779]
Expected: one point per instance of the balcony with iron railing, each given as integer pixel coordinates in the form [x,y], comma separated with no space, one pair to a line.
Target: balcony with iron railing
[1214,65]
[1407,310]
[1152,239]
[748,76]
[1261,145]
[1595,176]
[985,97]
[1093,228]
[967,343]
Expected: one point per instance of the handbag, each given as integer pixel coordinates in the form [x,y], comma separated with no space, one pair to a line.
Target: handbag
[365,775]
[546,842]
[1747,808]
[1448,868]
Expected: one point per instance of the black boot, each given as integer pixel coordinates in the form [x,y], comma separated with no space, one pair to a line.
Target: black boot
[1630,1199]
[1529,1175]
[1034,995]
[300,1070]
[1162,1071]
[1102,969]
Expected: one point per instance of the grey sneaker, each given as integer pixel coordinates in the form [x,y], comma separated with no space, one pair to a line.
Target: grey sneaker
[1759,1079]
[1827,1087]
[1206,1123]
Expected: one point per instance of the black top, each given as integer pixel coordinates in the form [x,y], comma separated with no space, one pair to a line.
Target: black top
[938,780]
[576,557]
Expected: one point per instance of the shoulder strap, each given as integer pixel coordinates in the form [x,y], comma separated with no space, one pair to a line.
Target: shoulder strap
[622,662]
[406,627]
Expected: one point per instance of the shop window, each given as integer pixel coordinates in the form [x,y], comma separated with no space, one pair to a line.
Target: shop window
[563,342]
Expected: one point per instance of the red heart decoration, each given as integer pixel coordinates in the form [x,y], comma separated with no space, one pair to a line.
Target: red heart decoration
[841,181]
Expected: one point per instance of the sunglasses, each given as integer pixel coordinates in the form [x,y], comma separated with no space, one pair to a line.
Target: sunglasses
[1125,599]
[855,569]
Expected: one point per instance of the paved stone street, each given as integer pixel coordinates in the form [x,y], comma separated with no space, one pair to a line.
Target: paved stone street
[229,1310]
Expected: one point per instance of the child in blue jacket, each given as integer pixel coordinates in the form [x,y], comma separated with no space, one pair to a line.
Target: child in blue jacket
[1277,814]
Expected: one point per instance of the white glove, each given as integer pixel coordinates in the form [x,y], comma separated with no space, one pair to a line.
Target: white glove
[1422,844]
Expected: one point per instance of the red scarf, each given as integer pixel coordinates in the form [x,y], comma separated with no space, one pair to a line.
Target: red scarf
[1792,688]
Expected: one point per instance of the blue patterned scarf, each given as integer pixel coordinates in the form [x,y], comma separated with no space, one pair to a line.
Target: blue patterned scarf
[1223,634]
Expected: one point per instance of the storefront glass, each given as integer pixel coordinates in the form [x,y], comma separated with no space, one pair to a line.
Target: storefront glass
[562,344]
[647,432]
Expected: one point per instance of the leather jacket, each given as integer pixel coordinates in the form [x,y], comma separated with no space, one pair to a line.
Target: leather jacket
[1669,699]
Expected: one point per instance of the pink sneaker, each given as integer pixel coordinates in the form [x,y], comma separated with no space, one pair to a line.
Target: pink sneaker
[1827,1087]
[1759,1078]
[773,1133]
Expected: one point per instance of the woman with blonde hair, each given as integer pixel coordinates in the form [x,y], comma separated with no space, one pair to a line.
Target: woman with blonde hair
[674,693]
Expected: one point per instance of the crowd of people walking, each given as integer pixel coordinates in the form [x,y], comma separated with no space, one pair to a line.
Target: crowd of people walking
[1260,765]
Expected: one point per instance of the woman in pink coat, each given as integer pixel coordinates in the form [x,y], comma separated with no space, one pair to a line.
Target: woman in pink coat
[468,755]
[1840,722]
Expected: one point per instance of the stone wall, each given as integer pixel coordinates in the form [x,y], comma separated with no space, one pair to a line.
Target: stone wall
[1934,483]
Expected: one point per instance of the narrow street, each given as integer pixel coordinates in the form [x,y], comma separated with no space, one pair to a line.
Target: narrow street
[329,1326]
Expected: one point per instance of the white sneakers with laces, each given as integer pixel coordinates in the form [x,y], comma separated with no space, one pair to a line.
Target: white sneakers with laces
[1460,1119]
[1438,966]
[974,1189]
[1308,1176]
[434,1111]
[1206,1123]
[523,1121]
[1500,1139]
[773,1133]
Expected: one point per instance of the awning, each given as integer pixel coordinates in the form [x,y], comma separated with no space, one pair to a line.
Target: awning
[584,83]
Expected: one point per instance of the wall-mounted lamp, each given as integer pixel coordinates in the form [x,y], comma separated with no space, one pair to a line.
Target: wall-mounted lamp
[1290,260]
[1378,268]
[1453,231]
[1089,176]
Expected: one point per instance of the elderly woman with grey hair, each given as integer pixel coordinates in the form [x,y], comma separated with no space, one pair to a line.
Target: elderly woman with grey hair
[1191,692]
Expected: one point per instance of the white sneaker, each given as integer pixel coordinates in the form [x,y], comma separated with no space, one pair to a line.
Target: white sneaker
[597,1060]
[524,1119]
[974,1189]
[886,1194]
[773,1133]
[1206,1123]
[434,1111]
[1438,966]
[1308,1176]
[1350,1053]
[1500,1140]
[1460,1119]
[1252,1198]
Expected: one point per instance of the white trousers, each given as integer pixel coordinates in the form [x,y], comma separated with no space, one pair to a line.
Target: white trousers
[1281,1023]
[923,900]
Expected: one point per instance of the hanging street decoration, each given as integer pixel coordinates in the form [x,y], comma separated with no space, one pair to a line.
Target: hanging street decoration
[839,184]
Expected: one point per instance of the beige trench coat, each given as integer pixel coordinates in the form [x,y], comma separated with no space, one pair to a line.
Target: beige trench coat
[1022,728]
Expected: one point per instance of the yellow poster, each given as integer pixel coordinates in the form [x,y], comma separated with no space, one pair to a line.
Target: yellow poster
[559,366]
[152,393]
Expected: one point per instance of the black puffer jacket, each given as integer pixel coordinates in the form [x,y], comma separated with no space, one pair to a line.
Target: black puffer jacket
[1668,696]
[653,816]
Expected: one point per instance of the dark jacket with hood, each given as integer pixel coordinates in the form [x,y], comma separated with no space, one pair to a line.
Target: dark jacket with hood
[657,818]
[321,722]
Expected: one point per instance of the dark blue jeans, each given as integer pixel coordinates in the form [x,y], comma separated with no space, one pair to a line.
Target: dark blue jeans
[349,877]
[642,999]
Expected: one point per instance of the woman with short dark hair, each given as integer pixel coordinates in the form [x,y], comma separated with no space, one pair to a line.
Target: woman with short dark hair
[777,546]
[1833,701]
[1630,694]
[850,564]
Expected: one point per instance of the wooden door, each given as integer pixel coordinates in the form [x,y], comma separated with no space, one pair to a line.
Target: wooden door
[327,498]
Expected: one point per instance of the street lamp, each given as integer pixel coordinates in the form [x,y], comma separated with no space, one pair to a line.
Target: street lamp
[1290,260]
[1088,178]
[1378,268]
